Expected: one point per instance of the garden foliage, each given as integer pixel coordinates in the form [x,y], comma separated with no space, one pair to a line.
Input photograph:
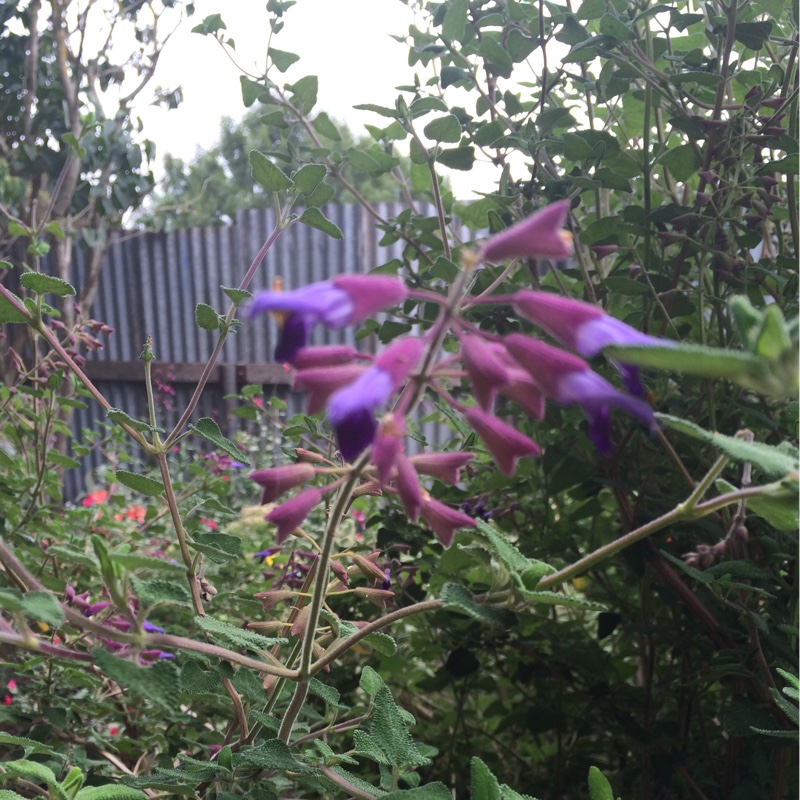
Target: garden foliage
[595,576]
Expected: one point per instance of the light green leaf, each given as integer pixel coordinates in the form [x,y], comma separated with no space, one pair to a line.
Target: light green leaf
[9,312]
[330,694]
[389,731]
[681,161]
[120,417]
[457,158]
[159,683]
[444,129]
[198,679]
[779,509]
[206,318]
[430,791]
[599,787]
[281,59]
[60,460]
[308,177]
[208,429]
[139,483]
[370,681]
[615,27]
[43,606]
[314,218]
[110,791]
[324,127]
[273,755]
[454,24]
[29,745]
[305,92]
[266,174]
[44,284]
[237,296]
[770,459]
[219,547]
[133,561]
[156,592]
[459,598]
[7,794]
[381,642]
[36,773]
[239,637]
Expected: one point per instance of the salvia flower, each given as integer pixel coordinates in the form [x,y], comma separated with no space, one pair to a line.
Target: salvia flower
[310,357]
[277,480]
[506,444]
[388,445]
[443,520]
[290,515]
[321,382]
[487,373]
[445,467]
[408,487]
[567,379]
[351,410]
[584,328]
[539,236]
[344,300]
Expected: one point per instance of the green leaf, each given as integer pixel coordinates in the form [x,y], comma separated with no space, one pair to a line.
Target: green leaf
[208,429]
[219,547]
[36,773]
[159,683]
[752,35]
[615,28]
[381,642]
[484,785]
[206,318]
[770,459]
[198,679]
[7,794]
[43,606]
[599,787]
[131,561]
[281,59]
[324,127]
[139,483]
[682,161]
[111,791]
[458,598]
[314,218]
[308,177]
[267,175]
[29,745]
[454,24]
[121,418]
[239,637]
[329,694]
[54,457]
[10,313]
[156,592]
[444,129]
[44,284]
[390,732]
[430,791]
[778,507]
[251,90]
[237,296]
[457,158]
[273,755]
[370,681]
[305,92]
[558,599]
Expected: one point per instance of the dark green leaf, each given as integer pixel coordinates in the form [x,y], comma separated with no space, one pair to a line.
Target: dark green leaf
[238,637]
[444,129]
[281,59]
[457,158]
[455,21]
[458,598]
[198,679]
[139,483]
[219,547]
[120,417]
[273,755]
[207,318]
[389,731]
[208,429]
[305,92]
[156,592]
[308,177]
[314,218]
[752,34]
[10,313]
[237,296]
[682,161]
[430,791]
[324,127]
[159,683]
[110,791]
[44,284]
[266,174]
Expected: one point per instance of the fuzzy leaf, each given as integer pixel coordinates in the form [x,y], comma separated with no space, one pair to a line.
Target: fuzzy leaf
[484,785]
[237,296]
[133,561]
[43,606]
[36,773]
[238,637]
[273,755]
[208,429]
[46,284]
[308,177]
[599,787]
[430,791]
[314,218]
[152,593]
[159,683]
[111,791]
[195,679]
[266,174]
[139,483]
[779,509]
[206,318]
[390,732]
[120,417]
[29,745]
[10,313]
[458,598]
[219,547]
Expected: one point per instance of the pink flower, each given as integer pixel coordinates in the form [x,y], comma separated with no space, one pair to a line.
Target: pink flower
[95,498]
[322,382]
[443,520]
[486,371]
[445,467]
[538,236]
[277,480]
[388,445]
[506,444]
[310,357]
[290,515]
[408,487]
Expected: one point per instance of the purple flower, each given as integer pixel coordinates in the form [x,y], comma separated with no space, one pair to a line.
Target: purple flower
[506,444]
[334,355]
[486,371]
[344,300]
[388,445]
[538,236]
[278,480]
[351,410]
[582,327]
[443,520]
[408,487]
[445,467]
[567,379]
[263,555]
[150,628]
[290,515]
[322,382]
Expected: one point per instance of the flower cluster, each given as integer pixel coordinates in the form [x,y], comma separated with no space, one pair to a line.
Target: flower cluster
[352,388]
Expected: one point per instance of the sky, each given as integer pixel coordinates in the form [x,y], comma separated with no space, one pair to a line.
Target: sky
[346,43]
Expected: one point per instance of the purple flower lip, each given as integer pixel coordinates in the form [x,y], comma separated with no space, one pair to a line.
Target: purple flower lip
[264,554]
[150,628]
[539,236]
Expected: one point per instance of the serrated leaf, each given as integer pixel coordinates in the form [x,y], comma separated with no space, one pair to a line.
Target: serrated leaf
[29,745]
[314,218]
[36,773]
[267,175]
[381,642]
[430,791]
[370,681]
[71,556]
[152,593]
[444,129]
[159,683]
[484,785]
[46,284]
[458,598]
[557,599]
[139,483]
[7,794]
[60,460]
[239,637]
[206,318]
[365,745]
[308,177]
[219,547]
[772,460]
[503,549]
[134,561]
[237,296]
[389,731]
[195,679]
[273,755]
[461,158]
[330,694]
[43,606]
[208,429]
[111,791]
[120,417]
[9,312]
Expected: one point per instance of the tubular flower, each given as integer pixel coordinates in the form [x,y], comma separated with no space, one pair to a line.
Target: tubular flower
[289,516]
[443,520]
[445,467]
[322,382]
[408,487]
[278,480]
[388,445]
[537,236]
[567,379]
[331,356]
[584,328]
[487,373]
[505,443]
[344,300]
[351,410]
